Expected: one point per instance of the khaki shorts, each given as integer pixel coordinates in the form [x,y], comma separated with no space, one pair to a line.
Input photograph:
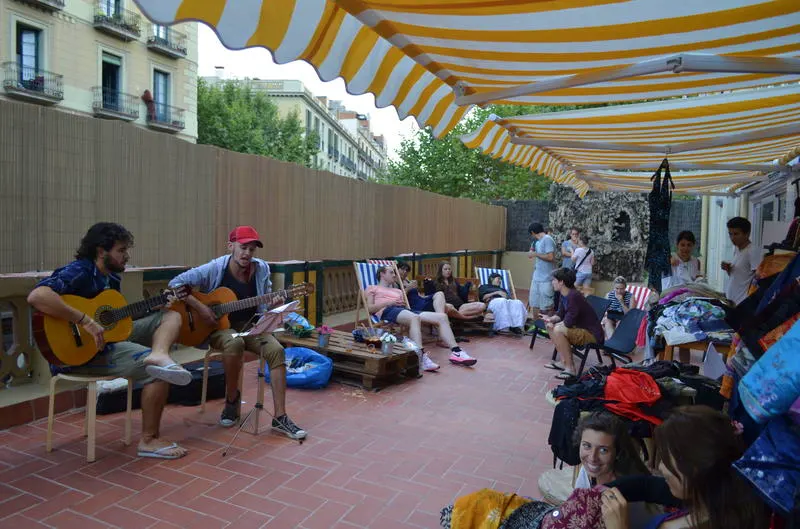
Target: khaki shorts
[265,345]
[578,336]
[126,359]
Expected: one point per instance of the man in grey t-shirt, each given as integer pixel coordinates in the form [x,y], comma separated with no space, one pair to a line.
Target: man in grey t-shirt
[543,248]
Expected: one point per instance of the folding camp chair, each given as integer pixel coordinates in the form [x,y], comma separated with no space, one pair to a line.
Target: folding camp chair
[505,278]
[623,341]
[365,275]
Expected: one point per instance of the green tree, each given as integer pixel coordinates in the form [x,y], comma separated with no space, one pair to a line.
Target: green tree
[448,167]
[234,117]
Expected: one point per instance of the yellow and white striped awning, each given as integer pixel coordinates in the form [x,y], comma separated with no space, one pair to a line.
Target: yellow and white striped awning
[432,59]
[715,144]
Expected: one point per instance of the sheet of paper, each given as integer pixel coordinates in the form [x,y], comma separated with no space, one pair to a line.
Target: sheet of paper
[714,364]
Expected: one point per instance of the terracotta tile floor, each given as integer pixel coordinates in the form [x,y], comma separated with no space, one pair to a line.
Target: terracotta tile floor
[384,460]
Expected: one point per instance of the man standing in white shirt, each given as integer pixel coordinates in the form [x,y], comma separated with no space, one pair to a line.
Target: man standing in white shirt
[746,259]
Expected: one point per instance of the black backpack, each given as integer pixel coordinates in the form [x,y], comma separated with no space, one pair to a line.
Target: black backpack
[562,430]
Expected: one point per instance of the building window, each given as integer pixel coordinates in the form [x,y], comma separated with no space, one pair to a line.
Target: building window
[161,32]
[28,52]
[110,7]
[111,80]
[161,94]
[308,122]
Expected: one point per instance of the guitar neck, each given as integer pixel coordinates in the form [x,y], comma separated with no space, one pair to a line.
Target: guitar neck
[247,303]
[138,308]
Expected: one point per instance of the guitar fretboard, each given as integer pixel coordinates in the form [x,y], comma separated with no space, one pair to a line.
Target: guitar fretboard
[135,309]
[233,306]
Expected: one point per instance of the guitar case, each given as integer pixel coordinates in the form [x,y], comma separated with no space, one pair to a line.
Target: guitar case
[189,395]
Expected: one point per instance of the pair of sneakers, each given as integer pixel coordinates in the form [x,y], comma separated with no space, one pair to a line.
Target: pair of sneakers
[456,357]
[282,424]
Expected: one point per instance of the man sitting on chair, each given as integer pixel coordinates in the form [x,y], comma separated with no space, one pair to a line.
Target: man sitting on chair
[247,277]
[508,313]
[102,255]
[387,302]
[575,323]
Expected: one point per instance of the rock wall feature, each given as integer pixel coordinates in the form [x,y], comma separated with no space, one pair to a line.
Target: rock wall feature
[616,224]
[520,214]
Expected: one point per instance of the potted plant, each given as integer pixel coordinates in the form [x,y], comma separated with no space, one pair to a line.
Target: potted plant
[324,335]
[387,343]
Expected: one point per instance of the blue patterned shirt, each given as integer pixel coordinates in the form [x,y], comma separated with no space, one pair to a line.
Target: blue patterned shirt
[81,278]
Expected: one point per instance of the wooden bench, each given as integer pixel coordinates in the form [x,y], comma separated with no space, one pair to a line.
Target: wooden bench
[354,362]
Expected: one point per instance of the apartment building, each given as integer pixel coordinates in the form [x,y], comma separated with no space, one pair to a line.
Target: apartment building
[101,58]
[346,144]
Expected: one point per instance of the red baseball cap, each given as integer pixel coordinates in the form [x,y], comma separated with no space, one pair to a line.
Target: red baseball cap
[244,235]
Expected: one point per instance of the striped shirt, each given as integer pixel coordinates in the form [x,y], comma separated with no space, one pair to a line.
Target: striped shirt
[615,306]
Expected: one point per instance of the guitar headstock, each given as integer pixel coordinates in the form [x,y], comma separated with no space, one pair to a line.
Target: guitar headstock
[301,289]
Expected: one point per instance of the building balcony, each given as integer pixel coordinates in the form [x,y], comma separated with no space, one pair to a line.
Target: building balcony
[47,5]
[165,118]
[113,104]
[121,23]
[167,42]
[32,84]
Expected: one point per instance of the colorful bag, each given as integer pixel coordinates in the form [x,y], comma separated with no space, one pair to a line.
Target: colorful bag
[773,383]
[772,464]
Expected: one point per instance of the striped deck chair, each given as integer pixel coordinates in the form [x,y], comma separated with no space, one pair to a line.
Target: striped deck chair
[640,296]
[365,275]
[507,283]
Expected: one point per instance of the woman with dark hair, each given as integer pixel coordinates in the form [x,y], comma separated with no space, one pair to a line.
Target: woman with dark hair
[506,313]
[446,283]
[697,446]
[607,452]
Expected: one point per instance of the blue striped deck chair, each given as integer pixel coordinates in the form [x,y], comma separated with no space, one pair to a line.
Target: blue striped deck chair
[507,283]
[365,275]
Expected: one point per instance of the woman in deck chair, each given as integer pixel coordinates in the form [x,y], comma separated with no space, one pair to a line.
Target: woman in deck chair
[508,313]
[456,306]
[387,302]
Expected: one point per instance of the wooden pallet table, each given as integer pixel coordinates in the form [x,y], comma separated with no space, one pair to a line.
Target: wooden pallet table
[354,362]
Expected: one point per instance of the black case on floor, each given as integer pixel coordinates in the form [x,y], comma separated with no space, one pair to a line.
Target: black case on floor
[189,395]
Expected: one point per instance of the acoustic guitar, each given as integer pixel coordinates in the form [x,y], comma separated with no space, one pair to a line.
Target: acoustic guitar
[65,343]
[194,330]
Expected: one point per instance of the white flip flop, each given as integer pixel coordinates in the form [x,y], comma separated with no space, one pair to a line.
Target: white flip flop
[160,453]
[172,373]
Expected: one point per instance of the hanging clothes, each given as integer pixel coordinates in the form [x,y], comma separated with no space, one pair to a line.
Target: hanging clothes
[657,260]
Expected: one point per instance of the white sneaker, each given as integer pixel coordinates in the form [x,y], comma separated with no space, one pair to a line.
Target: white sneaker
[428,364]
[461,358]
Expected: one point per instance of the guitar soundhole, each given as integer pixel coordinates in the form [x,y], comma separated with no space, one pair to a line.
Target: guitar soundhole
[104,317]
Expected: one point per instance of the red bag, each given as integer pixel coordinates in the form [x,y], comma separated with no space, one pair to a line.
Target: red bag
[629,389]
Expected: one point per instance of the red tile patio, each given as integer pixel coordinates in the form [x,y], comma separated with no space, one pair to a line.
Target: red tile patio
[384,460]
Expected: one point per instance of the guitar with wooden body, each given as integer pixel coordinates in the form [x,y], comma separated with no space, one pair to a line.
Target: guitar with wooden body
[66,343]
[194,330]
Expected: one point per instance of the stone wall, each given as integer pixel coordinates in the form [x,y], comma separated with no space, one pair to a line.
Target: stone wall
[619,251]
[520,214]
[616,224]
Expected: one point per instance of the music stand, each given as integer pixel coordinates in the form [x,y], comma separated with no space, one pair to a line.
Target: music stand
[253,416]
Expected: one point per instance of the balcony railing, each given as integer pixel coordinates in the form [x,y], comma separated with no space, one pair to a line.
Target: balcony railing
[32,84]
[49,5]
[167,41]
[118,22]
[113,104]
[165,117]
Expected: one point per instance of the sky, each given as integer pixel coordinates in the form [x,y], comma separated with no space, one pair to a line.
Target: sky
[257,62]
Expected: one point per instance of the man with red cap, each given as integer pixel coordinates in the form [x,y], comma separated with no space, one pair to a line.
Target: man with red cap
[247,277]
